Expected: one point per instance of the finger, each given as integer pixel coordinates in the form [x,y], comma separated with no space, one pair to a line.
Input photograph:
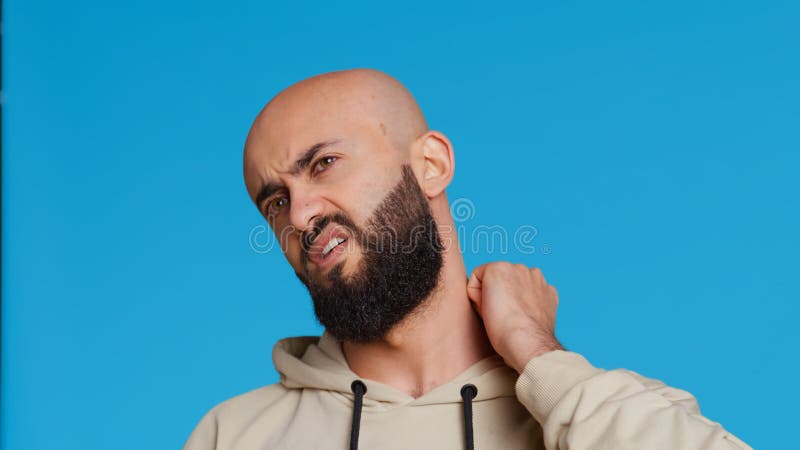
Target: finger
[553,292]
[474,289]
[479,271]
[475,284]
[537,274]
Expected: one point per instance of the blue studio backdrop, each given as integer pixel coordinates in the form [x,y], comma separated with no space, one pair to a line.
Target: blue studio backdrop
[647,151]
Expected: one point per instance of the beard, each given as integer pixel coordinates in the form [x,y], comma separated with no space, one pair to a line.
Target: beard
[400,266]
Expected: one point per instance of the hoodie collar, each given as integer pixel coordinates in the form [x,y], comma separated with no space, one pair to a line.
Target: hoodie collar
[313,362]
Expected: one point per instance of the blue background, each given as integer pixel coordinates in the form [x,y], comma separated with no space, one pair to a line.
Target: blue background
[653,146]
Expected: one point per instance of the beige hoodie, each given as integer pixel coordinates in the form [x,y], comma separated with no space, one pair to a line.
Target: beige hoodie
[559,402]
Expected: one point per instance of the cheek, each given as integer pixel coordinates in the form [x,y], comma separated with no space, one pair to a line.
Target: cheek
[364,197]
[290,246]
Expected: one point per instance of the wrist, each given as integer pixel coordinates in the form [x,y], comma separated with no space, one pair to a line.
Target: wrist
[530,348]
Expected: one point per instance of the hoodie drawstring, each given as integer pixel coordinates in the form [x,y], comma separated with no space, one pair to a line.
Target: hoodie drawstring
[468,392]
[359,389]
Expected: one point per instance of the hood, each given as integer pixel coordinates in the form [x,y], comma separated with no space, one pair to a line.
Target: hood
[315,362]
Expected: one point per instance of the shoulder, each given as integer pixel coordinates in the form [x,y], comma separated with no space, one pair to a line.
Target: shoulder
[251,402]
[232,417]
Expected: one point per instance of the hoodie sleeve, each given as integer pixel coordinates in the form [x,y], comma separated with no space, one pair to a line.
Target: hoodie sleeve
[582,407]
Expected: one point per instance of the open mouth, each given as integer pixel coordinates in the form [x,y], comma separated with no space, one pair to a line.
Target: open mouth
[333,243]
[326,247]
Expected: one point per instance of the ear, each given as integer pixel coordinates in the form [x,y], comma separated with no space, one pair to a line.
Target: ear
[439,163]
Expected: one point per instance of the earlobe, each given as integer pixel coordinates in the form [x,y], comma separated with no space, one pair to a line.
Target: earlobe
[439,163]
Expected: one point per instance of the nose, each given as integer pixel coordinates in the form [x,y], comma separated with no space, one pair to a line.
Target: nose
[304,208]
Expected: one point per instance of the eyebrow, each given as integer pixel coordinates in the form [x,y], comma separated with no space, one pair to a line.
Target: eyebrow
[266,192]
[299,165]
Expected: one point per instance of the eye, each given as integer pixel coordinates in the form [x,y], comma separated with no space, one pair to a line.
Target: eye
[275,206]
[323,164]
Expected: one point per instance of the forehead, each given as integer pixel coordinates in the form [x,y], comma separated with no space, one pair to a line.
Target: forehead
[278,138]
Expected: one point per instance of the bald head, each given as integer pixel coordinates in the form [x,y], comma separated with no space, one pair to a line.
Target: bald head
[363,95]
[327,104]
[362,124]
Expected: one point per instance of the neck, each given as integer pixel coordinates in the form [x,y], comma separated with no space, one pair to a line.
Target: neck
[431,346]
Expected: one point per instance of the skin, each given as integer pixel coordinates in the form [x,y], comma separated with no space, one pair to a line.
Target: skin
[375,126]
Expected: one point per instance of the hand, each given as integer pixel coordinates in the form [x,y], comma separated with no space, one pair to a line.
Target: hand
[518,309]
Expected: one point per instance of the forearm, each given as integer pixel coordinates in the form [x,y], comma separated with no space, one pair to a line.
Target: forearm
[583,407]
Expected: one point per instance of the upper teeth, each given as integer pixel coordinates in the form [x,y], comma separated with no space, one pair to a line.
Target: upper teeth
[331,244]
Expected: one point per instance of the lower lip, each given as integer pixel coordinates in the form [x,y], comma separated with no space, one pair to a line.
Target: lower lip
[323,262]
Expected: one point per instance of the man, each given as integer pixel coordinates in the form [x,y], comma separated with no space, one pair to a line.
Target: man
[415,354]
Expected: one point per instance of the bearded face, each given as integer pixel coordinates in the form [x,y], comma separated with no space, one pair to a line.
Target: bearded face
[399,266]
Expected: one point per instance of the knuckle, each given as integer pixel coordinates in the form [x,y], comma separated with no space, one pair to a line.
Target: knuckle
[500,266]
